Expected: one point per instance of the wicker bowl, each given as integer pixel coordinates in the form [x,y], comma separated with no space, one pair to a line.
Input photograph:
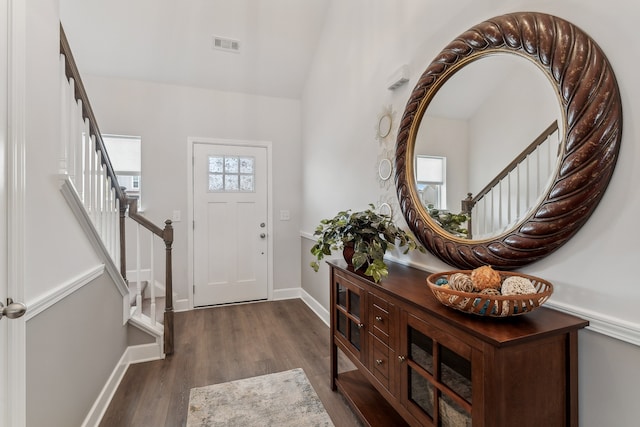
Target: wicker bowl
[491,305]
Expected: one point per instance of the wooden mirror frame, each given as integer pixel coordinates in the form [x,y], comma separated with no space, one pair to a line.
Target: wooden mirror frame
[592,115]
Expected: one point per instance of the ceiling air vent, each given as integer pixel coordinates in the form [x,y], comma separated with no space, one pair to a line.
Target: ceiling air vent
[228,45]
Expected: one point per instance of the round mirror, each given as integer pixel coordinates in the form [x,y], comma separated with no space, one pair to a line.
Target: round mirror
[530,171]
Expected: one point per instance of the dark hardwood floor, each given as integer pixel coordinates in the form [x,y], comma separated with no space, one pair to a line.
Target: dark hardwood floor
[226,343]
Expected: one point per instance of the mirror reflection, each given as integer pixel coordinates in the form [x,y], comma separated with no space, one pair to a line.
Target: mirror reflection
[488,146]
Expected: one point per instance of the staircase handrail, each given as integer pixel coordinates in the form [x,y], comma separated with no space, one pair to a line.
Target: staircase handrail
[470,202]
[71,71]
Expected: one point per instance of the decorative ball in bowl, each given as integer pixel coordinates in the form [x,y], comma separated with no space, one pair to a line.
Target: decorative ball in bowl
[488,292]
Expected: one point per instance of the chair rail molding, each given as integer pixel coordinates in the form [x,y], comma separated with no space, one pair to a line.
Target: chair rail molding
[56,295]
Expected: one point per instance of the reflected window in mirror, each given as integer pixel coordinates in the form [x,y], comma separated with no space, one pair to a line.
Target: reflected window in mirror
[431,180]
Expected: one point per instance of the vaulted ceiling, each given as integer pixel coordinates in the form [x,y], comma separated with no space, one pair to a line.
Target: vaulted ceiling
[171,41]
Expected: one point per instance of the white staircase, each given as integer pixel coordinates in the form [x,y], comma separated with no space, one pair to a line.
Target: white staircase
[91,188]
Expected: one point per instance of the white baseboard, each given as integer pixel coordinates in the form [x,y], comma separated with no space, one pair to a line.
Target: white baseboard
[316,307]
[133,354]
[145,352]
[181,305]
[312,303]
[290,293]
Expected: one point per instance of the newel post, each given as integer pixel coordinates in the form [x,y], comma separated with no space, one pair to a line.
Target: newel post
[467,207]
[167,236]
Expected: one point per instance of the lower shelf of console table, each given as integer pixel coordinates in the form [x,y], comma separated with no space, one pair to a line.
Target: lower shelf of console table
[422,364]
[368,403]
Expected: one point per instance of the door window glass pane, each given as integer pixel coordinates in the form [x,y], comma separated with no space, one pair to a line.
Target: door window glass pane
[246,165]
[231,183]
[246,182]
[216,183]
[231,164]
[231,174]
[216,164]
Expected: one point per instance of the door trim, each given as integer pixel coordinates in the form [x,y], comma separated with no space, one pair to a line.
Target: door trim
[191,142]
[15,198]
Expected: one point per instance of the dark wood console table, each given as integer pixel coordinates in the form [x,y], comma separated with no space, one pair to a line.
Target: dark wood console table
[420,363]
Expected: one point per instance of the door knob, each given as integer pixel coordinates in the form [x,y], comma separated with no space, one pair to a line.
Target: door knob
[13,310]
[262,235]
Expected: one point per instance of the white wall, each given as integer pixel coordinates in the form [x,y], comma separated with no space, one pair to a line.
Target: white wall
[52,258]
[166,116]
[594,272]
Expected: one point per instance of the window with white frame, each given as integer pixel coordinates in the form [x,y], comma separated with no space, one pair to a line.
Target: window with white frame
[431,176]
[125,155]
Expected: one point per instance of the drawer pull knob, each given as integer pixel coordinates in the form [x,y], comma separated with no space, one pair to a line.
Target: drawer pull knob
[379,318]
[360,325]
[378,361]
[402,358]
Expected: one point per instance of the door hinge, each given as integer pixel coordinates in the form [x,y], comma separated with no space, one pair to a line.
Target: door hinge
[194,288]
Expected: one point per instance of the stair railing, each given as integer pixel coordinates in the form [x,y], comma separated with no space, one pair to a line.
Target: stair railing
[166,234]
[514,189]
[86,163]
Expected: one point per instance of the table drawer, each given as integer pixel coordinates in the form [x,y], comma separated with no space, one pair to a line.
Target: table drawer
[380,319]
[380,361]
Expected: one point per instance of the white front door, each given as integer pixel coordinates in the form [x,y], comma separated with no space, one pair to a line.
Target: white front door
[230,235]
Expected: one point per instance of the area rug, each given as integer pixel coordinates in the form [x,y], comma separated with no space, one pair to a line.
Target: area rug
[281,399]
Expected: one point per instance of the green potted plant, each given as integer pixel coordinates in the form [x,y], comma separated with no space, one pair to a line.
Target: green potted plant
[449,221]
[364,237]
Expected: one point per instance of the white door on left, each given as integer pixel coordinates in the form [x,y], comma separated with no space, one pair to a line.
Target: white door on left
[12,152]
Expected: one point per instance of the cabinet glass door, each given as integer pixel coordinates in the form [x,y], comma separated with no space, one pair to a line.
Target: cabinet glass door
[348,309]
[438,379]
